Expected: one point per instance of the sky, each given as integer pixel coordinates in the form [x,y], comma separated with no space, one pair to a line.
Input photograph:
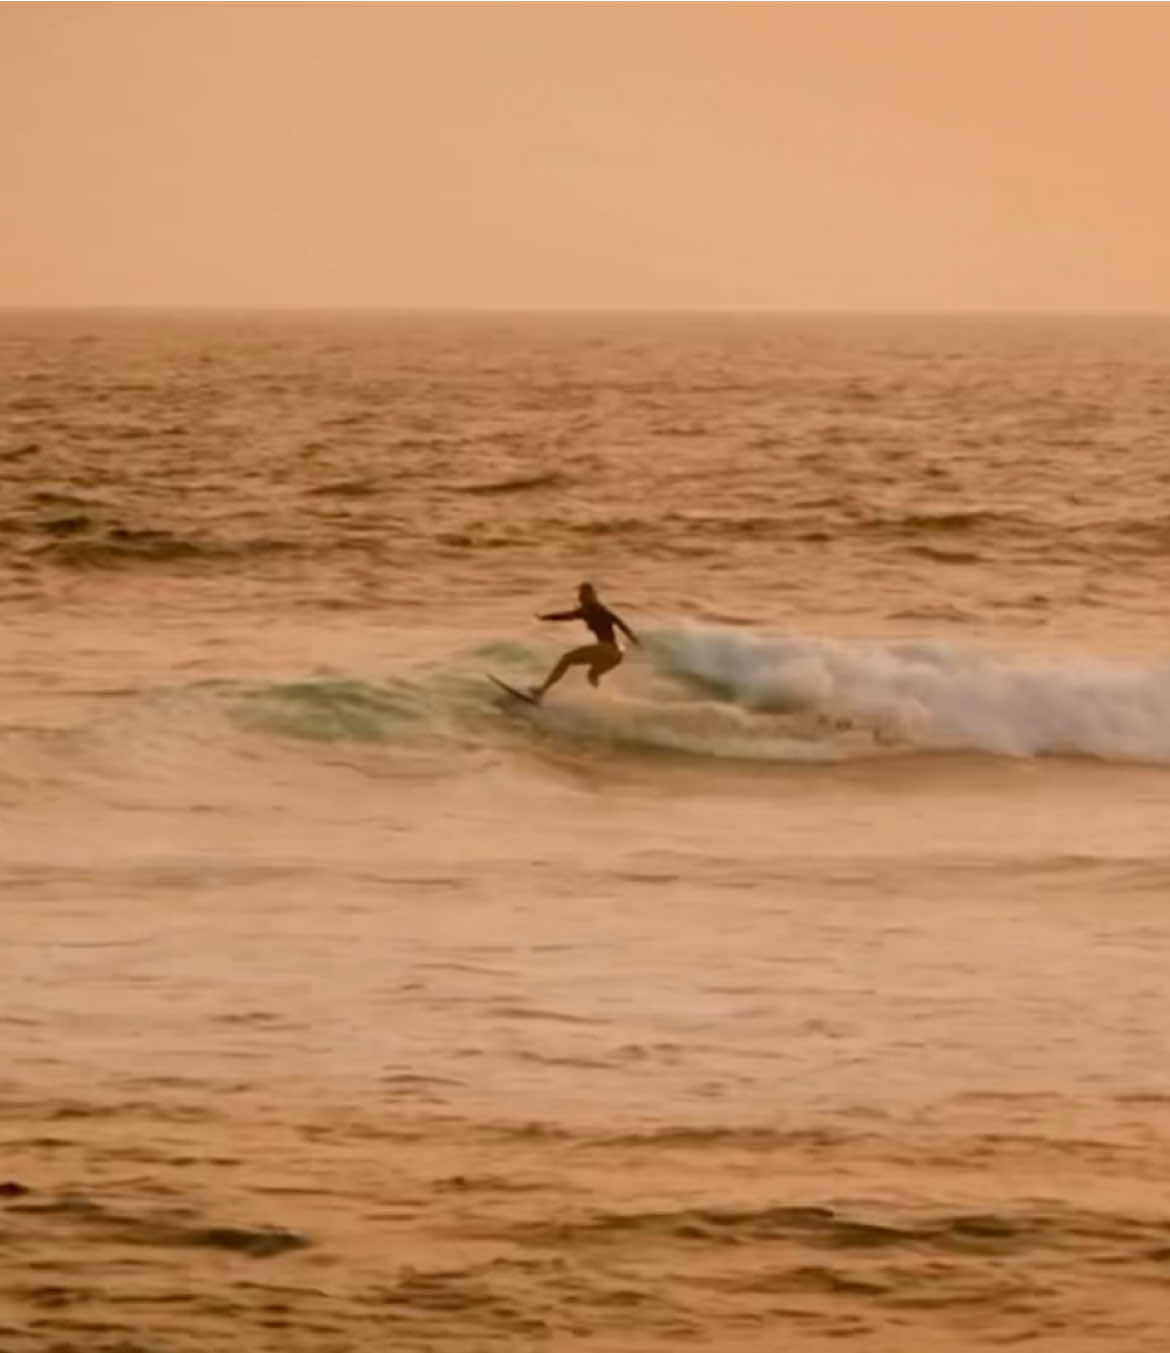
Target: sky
[727,156]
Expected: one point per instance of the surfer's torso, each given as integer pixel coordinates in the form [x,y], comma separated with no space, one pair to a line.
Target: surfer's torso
[599,619]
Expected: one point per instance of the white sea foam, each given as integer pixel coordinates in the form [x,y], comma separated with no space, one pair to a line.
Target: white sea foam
[933,694]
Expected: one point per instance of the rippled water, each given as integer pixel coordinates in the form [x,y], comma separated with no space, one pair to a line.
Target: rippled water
[867,841]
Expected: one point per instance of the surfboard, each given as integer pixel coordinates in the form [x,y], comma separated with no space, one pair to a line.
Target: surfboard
[512,691]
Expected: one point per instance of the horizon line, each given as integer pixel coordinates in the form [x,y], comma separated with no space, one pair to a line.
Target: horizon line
[486,310]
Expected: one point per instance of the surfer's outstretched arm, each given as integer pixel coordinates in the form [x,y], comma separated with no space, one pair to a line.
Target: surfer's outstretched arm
[562,615]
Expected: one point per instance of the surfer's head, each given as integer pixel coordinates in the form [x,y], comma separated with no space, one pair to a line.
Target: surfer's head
[587,592]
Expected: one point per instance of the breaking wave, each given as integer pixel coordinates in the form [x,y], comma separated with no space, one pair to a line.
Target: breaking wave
[932,694]
[706,692]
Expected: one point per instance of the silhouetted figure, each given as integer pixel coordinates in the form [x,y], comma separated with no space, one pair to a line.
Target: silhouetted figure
[600,657]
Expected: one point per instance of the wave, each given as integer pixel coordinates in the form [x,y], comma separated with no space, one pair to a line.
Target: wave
[705,728]
[209,742]
[933,695]
[79,544]
[716,693]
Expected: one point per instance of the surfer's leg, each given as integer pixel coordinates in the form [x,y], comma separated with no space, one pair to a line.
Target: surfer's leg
[574,658]
[605,658]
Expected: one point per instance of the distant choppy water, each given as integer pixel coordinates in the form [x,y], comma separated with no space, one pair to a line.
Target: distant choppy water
[878,818]
[972,470]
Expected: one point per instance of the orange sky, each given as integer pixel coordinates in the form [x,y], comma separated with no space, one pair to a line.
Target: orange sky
[756,156]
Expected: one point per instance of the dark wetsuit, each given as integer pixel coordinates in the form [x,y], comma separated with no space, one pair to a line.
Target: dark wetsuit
[600,619]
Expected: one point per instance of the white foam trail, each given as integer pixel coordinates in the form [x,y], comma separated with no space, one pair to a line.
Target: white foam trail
[933,694]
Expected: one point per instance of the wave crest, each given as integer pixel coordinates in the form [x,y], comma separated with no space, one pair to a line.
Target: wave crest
[933,694]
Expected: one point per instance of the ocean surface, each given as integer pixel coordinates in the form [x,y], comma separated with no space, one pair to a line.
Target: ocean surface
[806,981]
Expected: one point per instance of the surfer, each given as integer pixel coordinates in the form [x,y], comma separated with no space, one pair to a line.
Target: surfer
[600,657]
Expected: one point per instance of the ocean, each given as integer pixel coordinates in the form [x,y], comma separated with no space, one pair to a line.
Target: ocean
[805,981]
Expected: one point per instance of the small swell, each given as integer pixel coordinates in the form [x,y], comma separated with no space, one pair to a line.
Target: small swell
[78,546]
